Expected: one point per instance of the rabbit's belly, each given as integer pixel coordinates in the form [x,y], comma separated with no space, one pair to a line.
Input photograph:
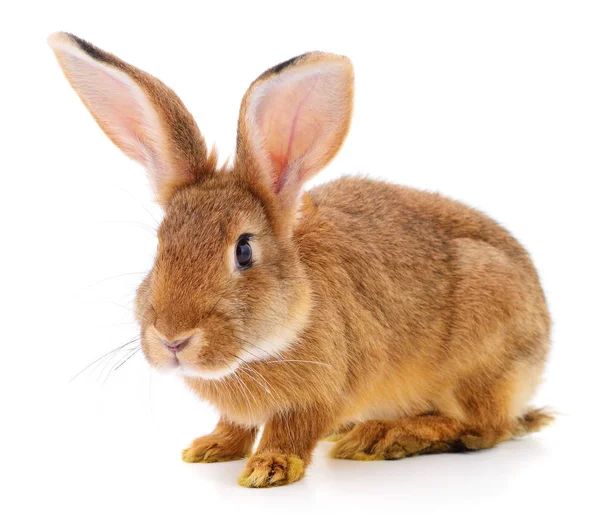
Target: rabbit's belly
[392,409]
[389,402]
[391,393]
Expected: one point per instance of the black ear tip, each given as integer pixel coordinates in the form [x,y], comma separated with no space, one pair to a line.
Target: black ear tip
[313,56]
[283,65]
[88,48]
[286,64]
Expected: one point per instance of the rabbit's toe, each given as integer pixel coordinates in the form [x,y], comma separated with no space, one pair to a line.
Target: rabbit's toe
[272,469]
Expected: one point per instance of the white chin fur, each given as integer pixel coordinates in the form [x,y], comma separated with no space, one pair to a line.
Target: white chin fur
[205,374]
[278,342]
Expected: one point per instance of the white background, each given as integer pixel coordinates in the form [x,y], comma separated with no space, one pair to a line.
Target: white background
[494,103]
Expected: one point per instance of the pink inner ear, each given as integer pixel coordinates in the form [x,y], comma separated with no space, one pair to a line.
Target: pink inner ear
[296,120]
[126,117]
[281,164]
[290,120]
[115,104]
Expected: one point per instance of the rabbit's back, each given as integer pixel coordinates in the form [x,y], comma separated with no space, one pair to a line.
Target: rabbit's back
[425,288]
[380,211]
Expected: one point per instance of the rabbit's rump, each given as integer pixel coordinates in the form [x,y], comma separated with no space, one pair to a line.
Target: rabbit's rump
[498,338]
[491,365]
[496,349]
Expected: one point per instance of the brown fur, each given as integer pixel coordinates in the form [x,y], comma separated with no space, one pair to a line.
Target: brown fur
[413,316]
[228,441]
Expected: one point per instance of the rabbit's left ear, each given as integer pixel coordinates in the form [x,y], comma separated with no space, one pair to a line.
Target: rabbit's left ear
[141,115]
[293,120]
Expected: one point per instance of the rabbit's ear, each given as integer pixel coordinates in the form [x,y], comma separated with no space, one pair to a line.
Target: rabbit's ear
[141,115]
[293,121]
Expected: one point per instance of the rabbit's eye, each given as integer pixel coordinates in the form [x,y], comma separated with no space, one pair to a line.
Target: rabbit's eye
[243,252]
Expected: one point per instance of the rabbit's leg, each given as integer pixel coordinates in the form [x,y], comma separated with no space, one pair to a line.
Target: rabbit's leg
[409,436]
[338,432]
[227,442]
[478,418]
[487,410]
[285,449]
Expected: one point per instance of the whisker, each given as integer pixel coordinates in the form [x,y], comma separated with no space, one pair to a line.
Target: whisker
[238,382]
[300,361]
[143,226]
[262,359]
[215,305]
[113,369]
[142,205]
[129,309]
[267,389]
[110,362]
[115,277]
[104,356]
[135,351]
[253,345]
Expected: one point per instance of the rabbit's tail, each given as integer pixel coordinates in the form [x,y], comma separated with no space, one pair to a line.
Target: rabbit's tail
[531,421]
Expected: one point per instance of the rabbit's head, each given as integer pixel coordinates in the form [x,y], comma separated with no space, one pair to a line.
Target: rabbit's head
[228,284]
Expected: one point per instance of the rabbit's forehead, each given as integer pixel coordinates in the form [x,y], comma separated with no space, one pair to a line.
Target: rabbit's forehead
[214,215]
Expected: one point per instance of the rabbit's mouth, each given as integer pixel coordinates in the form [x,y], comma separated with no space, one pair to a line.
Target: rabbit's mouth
[188,369]
[189,354]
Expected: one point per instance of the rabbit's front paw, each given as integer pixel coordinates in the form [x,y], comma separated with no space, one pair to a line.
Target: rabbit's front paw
[265,470]
[211,448]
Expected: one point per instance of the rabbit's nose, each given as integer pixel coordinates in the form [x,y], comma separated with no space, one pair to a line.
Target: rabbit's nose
[176,345]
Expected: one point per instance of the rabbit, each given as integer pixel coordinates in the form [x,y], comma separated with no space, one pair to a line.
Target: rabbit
[394,321]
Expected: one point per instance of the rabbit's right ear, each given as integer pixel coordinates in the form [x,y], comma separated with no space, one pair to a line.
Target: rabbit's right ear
[141,115]
[293,120]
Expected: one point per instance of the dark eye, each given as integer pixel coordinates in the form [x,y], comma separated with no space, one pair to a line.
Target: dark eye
[243,252]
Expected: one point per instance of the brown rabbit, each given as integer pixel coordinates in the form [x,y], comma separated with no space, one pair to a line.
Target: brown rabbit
[402,321]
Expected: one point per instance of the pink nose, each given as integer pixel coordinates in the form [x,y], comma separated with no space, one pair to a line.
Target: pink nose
[176,345]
